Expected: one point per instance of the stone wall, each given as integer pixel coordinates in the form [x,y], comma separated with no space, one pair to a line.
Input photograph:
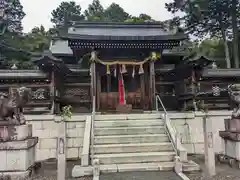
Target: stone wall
[46,130]
[190,127]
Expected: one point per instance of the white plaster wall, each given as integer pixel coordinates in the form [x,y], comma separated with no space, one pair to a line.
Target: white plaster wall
[46,130]
[190,126]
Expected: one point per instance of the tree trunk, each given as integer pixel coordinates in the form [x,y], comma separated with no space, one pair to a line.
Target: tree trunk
[227,53]
[235,33]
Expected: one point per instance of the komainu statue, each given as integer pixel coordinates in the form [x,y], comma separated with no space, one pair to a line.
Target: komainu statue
[234,94]
[11,106]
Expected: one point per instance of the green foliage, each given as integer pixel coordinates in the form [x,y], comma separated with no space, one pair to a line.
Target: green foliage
[212,48]
[115,13]
[69,10]
[217,18]
[37,40]
[140,18]
[203,17]
[17,48]
[95,11]
[66,113]
[15,14]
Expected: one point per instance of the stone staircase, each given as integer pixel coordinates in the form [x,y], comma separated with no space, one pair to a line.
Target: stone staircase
[132,142]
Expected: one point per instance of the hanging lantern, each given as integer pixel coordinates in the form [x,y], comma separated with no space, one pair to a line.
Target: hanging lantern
[141,70]
[108,70]
[133,73]
[124,69]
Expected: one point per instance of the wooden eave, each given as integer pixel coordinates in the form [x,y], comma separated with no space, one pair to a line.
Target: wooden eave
[48,60]
[22,74]
[220,73]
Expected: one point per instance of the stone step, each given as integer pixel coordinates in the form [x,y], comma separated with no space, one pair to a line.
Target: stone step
[110,117]
[124,139]
[152,166]
[129,130]
[78,171]
[129,123]
[155,166]
[135,157]
[132,148]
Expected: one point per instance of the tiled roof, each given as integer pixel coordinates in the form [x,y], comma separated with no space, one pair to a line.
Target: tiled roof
[122,31]
[60,47]
[221,73]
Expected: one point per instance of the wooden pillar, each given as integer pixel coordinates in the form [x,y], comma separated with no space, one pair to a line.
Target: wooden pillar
[93,79]
[108,83]
[152,89]
[154,85]
[52,92]
[98,90]
[142,82]
[93,75]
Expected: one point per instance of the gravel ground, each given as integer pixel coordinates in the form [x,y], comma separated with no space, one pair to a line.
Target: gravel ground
[224,172]
[141,176]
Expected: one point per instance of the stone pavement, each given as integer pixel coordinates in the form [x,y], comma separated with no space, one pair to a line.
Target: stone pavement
[48,172]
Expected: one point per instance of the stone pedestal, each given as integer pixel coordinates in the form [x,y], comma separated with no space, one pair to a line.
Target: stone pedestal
[17,151]
[231,141]
[232,125]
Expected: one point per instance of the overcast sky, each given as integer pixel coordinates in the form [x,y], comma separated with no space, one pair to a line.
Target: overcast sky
[39,11]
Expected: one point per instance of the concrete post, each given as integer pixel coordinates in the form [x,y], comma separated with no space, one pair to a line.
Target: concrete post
[61,151]
[209,146]
[96,169]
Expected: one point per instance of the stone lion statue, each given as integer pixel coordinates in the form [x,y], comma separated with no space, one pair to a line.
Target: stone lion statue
[11,105]
[234,94]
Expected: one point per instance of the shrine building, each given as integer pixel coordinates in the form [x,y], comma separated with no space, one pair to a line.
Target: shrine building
[108,64]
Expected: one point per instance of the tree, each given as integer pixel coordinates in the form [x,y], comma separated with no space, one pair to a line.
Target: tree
[205,17]
[11,16]
[37,40]
[140,18]
[14,15]
[95,11]
[69,10]
[212,48]
[115,13]
[234,9]
[18,48]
